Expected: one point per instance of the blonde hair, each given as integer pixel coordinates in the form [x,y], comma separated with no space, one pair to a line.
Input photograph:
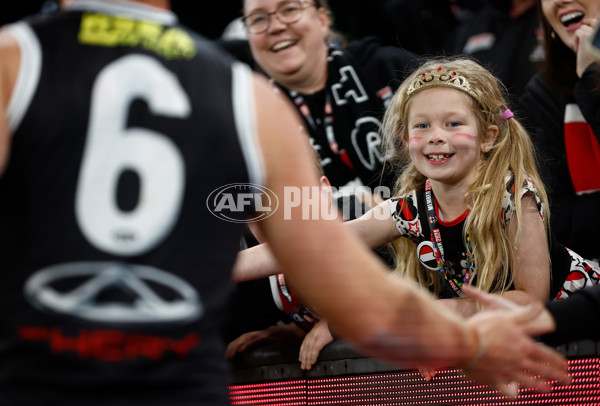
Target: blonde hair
[493,254]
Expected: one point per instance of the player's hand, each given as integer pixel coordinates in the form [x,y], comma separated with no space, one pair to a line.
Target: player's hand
[510,357]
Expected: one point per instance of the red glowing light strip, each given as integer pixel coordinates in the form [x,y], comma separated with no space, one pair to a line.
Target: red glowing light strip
[394,388]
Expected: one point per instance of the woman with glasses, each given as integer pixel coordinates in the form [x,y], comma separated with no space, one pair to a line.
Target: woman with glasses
[341,91]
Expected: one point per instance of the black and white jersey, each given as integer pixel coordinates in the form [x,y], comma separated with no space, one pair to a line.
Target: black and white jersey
[115,271]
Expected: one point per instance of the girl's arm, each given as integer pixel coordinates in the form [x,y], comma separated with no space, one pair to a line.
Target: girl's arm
[532,263]
[375,228]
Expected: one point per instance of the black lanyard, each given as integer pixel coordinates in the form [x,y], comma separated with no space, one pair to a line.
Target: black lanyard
[438,247]
[328,121]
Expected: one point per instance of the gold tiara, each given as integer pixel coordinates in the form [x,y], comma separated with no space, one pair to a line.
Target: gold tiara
[440,77]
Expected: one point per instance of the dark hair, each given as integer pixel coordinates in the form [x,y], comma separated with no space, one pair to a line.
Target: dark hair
[560,61]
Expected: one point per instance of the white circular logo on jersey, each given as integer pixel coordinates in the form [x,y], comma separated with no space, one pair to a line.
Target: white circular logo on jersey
[426,253]
[237,202]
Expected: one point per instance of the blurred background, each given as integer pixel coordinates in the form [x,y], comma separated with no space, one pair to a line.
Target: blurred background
[209,21]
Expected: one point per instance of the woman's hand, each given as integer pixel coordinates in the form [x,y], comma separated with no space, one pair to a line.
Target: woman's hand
[583,45]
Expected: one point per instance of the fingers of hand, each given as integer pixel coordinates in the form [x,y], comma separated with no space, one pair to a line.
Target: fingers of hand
[550,363]
[308,358]
[427,373]
[491,301]
[510,389]
[230,352]
[530,379]
[477,294]
[234,347]
[527,313]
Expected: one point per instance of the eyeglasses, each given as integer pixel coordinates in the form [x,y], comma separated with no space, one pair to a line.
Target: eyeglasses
[287,13]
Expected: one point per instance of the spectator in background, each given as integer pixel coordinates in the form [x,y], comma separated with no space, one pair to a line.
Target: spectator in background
[341,92]
[505,37]
[425,27]
[561,107]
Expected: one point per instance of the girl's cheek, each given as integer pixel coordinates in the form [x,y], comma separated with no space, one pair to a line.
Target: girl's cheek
[465,136]
[415,146]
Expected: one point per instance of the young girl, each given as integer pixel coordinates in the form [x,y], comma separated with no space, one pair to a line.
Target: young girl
[470,202]
[470,206]
[460,216]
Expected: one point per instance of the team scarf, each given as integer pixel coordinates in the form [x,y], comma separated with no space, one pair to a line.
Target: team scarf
[344,121]
[583,151]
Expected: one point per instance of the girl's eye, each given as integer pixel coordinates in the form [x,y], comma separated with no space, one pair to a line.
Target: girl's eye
[454,124]
[421,125]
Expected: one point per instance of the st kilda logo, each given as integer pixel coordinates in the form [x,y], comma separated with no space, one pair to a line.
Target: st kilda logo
[426,253]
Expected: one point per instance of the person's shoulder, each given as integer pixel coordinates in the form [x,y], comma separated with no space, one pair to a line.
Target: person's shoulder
[527,188]
[409,200]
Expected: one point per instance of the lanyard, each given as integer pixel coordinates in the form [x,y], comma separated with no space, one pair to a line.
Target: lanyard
[438,247]
[328,120]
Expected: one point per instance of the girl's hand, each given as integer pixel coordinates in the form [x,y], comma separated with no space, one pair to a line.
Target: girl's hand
[315,340]
[583,45]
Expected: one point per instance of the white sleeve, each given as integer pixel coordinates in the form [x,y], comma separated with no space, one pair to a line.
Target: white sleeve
[29,73]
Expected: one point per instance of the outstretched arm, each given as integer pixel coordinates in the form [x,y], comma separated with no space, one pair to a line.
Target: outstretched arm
[254,263]
[375,228]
